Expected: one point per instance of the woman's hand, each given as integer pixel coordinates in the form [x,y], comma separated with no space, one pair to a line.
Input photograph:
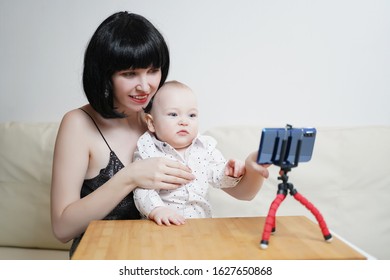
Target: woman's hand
[166,216]
[160,173]
[251,163]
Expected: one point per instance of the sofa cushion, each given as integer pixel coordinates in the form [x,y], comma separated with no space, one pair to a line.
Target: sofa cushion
[26,152]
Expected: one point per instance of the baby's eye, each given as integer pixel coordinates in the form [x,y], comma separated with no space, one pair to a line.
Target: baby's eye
[172,114]
[193,115]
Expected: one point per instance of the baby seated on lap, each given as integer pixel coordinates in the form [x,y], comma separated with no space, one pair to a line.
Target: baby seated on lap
[172,120]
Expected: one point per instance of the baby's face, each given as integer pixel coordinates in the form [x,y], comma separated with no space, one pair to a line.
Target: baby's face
[175,116]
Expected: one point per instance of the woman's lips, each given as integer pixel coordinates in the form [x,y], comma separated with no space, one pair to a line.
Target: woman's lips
[140,99]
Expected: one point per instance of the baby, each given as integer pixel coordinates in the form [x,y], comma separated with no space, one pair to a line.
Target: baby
[172,120]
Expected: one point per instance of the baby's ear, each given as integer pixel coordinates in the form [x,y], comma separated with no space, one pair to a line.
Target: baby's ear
[149,122]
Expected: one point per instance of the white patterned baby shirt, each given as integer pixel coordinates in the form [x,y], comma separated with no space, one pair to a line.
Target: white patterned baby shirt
[207,164]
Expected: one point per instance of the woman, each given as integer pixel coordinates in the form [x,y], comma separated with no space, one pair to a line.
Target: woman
[93,177]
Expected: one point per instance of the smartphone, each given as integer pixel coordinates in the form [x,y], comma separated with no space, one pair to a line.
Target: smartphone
[297,144]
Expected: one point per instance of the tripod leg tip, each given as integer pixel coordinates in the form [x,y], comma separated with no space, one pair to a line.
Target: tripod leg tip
[264,244]
[328,238]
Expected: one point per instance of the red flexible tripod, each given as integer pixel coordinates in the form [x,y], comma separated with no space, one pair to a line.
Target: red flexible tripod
[283,189]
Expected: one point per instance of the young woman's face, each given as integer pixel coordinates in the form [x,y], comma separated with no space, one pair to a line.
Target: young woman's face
[175,116]
[133,88]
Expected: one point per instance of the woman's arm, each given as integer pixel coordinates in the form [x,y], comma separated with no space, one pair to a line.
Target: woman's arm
[70,214]
[252,181]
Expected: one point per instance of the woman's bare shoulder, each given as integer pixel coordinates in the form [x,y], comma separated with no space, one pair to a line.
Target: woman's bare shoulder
[76,119]
[75,124]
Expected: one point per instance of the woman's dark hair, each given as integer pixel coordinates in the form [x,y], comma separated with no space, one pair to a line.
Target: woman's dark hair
[122,41]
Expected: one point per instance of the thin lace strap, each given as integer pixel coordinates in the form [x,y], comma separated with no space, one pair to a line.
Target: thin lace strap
[97,128]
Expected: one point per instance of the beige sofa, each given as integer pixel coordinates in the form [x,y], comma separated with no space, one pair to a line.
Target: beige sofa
[347,180]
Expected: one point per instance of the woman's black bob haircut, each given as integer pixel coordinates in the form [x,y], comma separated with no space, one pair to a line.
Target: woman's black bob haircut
[122,41]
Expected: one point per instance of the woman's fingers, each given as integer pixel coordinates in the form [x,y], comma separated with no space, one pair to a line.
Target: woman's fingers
[174,174]
[180,170]
[252,163]
[161,173]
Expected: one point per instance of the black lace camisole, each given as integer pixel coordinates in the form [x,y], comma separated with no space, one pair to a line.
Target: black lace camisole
[126,209]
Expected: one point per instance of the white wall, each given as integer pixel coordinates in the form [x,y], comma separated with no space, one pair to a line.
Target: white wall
[301,62]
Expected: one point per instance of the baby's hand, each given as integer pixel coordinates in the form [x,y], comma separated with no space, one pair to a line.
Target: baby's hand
[166,216]
[235,168]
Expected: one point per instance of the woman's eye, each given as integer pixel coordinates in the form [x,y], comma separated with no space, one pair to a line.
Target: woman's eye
[129,74]
[154,70]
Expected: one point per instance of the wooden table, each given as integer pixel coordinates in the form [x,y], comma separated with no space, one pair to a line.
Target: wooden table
[296,237]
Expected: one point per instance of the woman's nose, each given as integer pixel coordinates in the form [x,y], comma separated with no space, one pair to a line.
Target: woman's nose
[143,84]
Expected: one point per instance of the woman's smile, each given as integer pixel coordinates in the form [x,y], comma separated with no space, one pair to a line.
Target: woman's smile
[140,99]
